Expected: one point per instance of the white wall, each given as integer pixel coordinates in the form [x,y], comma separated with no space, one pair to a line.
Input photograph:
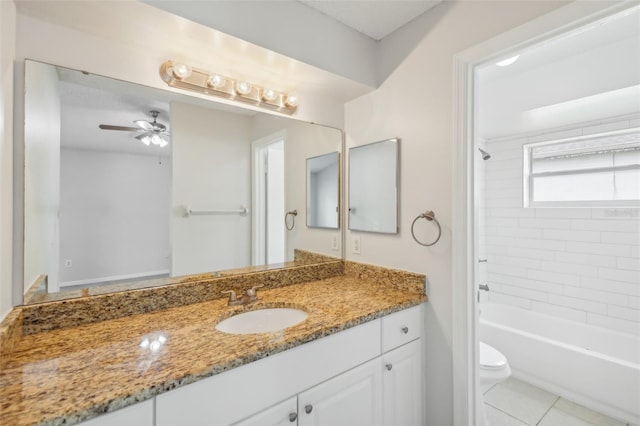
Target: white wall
[302,141]
[415,104]
[581,264]
[211,170]
[7,52]
[42,179]
[114,215]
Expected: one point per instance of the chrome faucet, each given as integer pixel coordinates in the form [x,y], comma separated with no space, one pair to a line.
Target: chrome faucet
[484,287]
[249,296]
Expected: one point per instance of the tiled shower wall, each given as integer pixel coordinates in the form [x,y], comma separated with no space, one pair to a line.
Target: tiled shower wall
[581,264]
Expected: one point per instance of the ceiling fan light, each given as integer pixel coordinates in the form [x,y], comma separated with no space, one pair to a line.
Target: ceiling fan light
[163,143]
[181,71]
[269,95]
[216,81]
[243,88]
[156,139]
[145,140]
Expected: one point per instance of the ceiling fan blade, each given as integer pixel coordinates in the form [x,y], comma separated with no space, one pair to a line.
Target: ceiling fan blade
[110,127]
[144,124]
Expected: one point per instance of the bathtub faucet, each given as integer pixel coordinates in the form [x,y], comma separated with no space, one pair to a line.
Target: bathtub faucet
[484,287]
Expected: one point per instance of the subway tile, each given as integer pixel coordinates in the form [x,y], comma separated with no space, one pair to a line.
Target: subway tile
[520,252]
[620,275]
[620,213]
[498,203]
[522,262]
[540,244]
[511,212]
[605,225]
[611,286]
[621,237]
[634,302]
[511,144]
[634,122]
[613,323]
[564,213]
[628,314]
[598,248]
[491,185]
[598,296]
[514,193]
[499,240]
[586,259]
[628,263]
[521,292]
[581,304]
[537,222]
[526,283]
[570,268]
[518,302]
[559,311]
[570,235]
[514,232]
[507,270]
[503,222]
[554,277]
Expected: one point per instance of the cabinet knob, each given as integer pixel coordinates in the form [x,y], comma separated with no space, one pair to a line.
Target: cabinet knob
[389,366]
[405,329]
[308,408]
[293,417]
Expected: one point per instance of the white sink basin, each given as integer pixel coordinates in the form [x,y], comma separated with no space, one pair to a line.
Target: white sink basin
[262,321]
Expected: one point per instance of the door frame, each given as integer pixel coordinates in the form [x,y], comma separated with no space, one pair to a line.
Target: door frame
[464,303]
[258,230]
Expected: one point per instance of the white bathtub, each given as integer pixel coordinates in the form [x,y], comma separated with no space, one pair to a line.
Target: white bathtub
[592,366]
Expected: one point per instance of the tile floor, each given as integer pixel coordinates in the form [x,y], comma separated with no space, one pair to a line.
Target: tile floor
[516,403]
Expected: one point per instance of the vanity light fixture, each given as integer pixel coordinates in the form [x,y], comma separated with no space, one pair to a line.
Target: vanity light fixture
[183,76]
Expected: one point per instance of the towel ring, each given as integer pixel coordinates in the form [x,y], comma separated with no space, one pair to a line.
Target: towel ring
[430,216]
[293,214]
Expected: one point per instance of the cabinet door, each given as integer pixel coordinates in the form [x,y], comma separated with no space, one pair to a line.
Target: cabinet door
[402,385]
[353,398]
[282,414]
[140,414]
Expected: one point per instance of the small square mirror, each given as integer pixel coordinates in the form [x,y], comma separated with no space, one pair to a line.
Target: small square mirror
[373,187]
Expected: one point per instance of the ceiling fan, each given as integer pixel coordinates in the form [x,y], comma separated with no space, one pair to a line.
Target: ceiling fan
[152,132]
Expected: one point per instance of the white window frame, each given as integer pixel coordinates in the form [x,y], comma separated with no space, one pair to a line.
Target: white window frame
[527,181]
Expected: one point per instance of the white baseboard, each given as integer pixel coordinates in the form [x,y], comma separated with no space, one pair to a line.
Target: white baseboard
[114,278]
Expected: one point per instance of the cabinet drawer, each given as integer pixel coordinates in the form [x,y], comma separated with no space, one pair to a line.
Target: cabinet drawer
[401,327]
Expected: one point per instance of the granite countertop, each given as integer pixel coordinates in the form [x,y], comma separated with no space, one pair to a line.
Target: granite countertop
[71,374]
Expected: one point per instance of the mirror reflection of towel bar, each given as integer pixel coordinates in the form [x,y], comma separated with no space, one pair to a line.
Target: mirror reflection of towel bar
[192,212]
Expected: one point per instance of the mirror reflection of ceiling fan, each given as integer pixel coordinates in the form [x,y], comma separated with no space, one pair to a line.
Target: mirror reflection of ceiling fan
[152,132]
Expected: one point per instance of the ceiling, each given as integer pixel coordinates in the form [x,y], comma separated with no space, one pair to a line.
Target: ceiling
[373,18]
[590,73]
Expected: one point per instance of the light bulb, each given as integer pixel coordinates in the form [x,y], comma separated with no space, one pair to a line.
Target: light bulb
[145,140]
[181,71]
[508,61]
[243,88]
[163,143]
[216,81]
[156,139]
[291,101]
[269,95]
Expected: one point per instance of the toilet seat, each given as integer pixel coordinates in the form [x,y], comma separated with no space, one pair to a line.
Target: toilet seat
[491,358]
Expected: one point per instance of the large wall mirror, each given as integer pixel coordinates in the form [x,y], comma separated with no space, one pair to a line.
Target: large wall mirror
[127,184]
[323,191]
[373,187]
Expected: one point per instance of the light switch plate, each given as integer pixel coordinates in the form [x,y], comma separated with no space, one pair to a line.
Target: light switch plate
[355,244]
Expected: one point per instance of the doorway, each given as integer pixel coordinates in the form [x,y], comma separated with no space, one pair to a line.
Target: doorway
[465,257]
[268,194]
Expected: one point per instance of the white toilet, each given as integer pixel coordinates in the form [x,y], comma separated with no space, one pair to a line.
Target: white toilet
[494,368]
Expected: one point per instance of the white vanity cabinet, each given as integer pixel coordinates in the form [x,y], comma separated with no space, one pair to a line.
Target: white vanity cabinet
[367,375]
[352,398]
[140,414]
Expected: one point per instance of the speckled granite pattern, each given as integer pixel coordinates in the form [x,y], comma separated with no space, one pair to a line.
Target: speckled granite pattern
[71,374]
[402,280]
[10,330]
[84,310]
[304,256]
[38,293]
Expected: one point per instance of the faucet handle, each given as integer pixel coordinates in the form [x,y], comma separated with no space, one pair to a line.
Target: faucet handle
[252,291]
[232,296]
